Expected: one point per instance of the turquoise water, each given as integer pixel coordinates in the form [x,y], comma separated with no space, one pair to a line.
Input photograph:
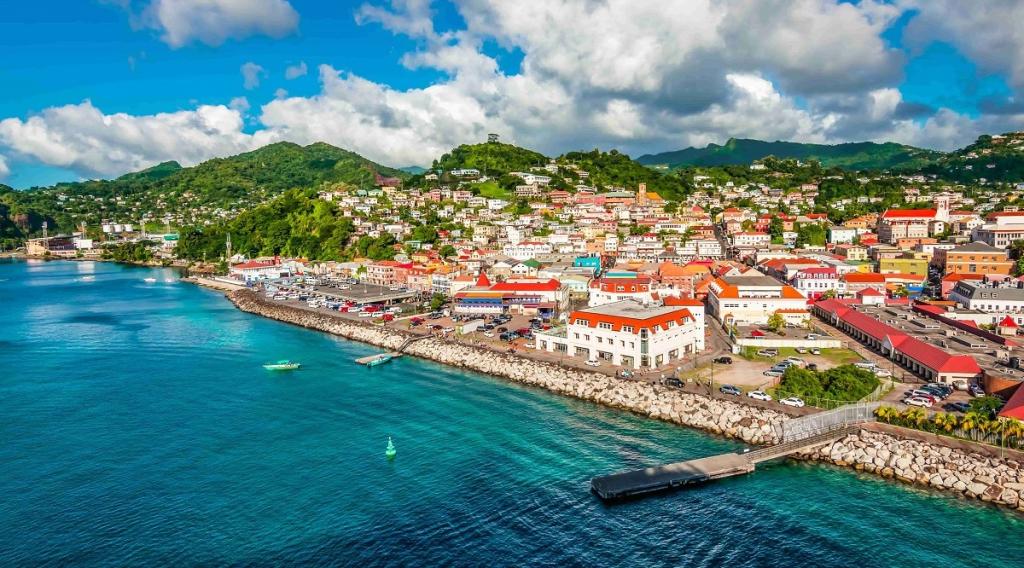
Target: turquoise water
[138,428]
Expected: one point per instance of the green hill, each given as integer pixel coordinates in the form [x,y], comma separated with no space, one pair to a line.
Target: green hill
[615,169]
[159,171]
[990,158]
[491,158]
[225,184]
[852,155]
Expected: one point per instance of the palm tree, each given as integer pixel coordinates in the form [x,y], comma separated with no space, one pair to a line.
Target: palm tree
[946,421]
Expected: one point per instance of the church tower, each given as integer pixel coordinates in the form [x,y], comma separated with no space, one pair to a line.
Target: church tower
[641,195]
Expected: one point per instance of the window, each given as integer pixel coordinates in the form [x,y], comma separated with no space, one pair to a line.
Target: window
[604,325]
[627,328]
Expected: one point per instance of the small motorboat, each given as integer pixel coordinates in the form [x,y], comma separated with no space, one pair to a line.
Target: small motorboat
[379,360]
[390,451]
[282,365]
[149,280]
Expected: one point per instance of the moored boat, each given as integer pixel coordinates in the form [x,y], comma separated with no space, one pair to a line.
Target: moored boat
[379,360]
[282,365]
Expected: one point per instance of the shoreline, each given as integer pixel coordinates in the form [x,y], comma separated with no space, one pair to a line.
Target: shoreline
[909,456]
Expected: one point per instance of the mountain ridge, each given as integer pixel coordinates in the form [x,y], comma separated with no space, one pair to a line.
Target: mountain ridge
[847,155]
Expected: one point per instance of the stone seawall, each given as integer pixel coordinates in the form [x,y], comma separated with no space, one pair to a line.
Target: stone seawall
[732,419]
[999,480]
[973,475]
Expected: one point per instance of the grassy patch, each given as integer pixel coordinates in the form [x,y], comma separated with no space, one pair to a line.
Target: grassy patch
[491,190]
[841,356]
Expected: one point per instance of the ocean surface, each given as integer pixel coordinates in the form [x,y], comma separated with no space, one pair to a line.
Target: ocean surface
[137,427]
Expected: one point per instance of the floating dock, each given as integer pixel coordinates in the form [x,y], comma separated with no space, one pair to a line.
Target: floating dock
[675,475]
[665,477]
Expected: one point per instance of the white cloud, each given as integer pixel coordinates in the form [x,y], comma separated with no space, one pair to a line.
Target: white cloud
[631,74]
[989,33]
[213,22]
[295,71]
[83,138]
[5,170]
[240,104]
[252,74]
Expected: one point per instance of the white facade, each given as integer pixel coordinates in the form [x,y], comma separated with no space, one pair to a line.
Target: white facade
[627,334]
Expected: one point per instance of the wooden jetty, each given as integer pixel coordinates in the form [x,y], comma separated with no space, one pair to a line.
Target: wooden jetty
[800,434]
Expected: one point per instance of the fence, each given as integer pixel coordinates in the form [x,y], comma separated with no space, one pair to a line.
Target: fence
[814,424]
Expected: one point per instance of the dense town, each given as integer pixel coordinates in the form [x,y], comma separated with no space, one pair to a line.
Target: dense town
[729,286]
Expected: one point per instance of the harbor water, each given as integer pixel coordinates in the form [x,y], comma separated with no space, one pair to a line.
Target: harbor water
[138,427]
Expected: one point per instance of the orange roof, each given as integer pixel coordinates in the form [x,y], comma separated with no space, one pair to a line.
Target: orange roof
[592,319]
[864,278]
[908,213]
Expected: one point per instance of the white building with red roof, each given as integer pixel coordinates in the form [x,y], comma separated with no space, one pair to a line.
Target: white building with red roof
[609,290]
[627,334]
[896,224]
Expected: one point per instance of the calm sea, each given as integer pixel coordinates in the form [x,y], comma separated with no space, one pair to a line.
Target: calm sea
[137,427]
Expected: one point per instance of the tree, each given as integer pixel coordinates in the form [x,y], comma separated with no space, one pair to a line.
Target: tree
[987,406]
[446,251]
[775,229]
[437,301]
[776,322]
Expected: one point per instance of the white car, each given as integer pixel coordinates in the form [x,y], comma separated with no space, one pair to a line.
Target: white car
[815,351]
[795,361]
[793,401]
[488,334]
[760,395]
[918,401]
[592,363]
[773,373]
[882,373]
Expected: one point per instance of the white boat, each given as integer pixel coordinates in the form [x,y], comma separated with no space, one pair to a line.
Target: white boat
[149,280]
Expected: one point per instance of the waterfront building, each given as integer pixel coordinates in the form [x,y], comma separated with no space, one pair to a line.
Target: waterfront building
[751,298]
[627,334]
[919,357]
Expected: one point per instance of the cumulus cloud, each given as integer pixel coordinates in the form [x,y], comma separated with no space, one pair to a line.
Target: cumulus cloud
[633,74]
[5,170]
[295,71]
[83,138]
[252,74]
[212,22]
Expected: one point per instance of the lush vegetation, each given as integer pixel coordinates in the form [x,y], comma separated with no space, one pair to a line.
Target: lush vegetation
[199,193]
[491,158]
[826,389]
[990,159]
[852,156]
[139,251]
[979,424]
[295,224]
[615,169]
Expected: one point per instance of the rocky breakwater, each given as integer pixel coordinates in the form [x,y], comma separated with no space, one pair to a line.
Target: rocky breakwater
[973,475]
[750,424]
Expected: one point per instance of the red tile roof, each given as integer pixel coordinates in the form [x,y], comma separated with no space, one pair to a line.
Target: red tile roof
[527,286]
[908,213]
[1014,407]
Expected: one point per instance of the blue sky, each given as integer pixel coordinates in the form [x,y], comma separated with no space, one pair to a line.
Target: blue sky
[408,79]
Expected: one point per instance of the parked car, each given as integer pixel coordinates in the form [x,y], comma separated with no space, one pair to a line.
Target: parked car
[918,393]
[812,336]
[793,401]
[774,373]
[960,384]
[943,387]
[815,351]
[723,360]
[937,393]
[795,361]
[801,350]
[866,365]
[957,406]
[760,395]
[882,374]
[812,366]
[975,390]
[592,363]
[768,352]
[729,389]
[674,382]
[918,401]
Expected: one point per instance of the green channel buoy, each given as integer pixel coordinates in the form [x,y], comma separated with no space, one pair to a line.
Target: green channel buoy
[390,451]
